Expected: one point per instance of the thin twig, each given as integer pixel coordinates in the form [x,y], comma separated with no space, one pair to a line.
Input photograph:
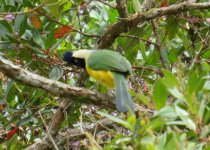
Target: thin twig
[159,48]
[25,12]
[48,132]
[138,38]
[80,25]
[128,23]
[70,27]
[158,71]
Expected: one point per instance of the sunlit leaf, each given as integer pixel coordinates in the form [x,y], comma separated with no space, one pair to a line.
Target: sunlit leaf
[160,95]
[20,24]
[116,119]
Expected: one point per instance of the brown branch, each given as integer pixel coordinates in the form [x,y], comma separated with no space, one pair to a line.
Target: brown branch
[138,38]
[122,8]
[53,87]
[124,25]
[24,12]
[70,27]
[158,71]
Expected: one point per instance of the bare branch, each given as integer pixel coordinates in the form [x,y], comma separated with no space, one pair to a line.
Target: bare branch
[124,25]
[51,86]
[140,39]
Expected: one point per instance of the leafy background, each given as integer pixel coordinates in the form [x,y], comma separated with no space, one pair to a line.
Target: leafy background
[170,59]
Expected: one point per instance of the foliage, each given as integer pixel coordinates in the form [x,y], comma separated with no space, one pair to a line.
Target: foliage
[170,59]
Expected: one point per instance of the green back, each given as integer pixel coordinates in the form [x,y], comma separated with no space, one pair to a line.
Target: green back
[109,60]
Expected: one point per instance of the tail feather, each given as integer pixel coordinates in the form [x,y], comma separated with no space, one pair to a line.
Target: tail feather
[123,98]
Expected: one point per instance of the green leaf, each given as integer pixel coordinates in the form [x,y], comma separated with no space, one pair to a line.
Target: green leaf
[37,38]
[117,120]
[94,14]
[53,7]
[10,2]
[131,119]
[27,35]
[57,44]
[37,51]
[20,24]
[160,95]
[24,121]
[193,82]
[56,73]
[143,99]
[3,30]
[137,6]
[171,26]
[170,79]
[12,38]
[143,50]
[176,93]
[9,93]
[153,58]
[184,116]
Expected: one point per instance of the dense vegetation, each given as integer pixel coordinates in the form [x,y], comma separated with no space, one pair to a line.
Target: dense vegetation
[167,42]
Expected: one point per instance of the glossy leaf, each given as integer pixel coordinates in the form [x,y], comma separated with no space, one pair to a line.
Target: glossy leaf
[38,39]
[56,73]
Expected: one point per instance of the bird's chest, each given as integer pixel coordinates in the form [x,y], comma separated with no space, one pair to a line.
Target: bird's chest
[105,77]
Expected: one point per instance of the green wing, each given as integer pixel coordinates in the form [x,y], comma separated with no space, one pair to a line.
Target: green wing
[109,60]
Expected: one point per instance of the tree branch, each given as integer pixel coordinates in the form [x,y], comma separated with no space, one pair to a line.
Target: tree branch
[124,25]
[53,87]
[25,12]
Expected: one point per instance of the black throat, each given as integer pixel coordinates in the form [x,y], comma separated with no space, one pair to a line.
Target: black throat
[79,62]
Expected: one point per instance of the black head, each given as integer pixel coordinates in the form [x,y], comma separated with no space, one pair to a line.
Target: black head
[71,60]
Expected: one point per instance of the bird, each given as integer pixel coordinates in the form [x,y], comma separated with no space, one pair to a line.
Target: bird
[109,68]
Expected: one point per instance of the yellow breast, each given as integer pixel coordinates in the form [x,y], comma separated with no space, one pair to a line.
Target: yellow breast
[105,77]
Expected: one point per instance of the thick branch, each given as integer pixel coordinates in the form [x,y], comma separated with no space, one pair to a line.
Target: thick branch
[53,87]
[125,25]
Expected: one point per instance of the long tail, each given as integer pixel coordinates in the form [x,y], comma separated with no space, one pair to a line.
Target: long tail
[123,98]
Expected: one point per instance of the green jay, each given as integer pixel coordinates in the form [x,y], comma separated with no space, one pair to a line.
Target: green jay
[108,67]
